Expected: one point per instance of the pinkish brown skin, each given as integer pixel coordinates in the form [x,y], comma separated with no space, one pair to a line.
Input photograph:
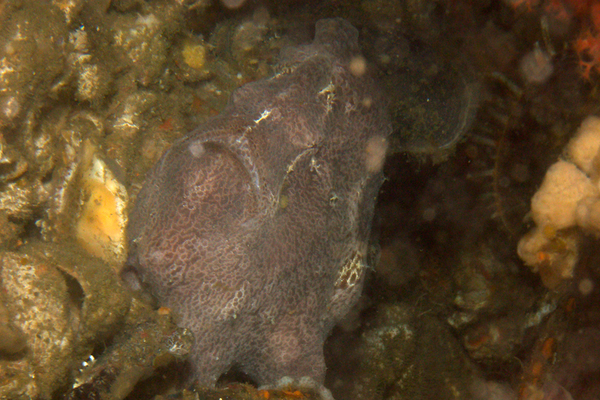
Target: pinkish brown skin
[254,228]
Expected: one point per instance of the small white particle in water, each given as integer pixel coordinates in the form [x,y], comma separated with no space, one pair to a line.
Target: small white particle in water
[375,153]
[367,102]
[196,148]
[586,286]
[536,66]
[358,66]
[429,214]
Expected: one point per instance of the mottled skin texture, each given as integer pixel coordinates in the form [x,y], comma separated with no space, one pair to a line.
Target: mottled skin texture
[254,228]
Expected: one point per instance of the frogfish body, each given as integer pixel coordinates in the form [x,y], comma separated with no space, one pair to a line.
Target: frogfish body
[254,228]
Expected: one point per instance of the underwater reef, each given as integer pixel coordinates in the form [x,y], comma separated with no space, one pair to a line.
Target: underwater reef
[479,269]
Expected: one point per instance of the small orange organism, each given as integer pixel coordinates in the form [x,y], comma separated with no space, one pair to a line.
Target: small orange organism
[587,47]
[587,43]
[295,394]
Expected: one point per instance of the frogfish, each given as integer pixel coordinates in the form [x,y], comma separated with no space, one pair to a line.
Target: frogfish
[255,227]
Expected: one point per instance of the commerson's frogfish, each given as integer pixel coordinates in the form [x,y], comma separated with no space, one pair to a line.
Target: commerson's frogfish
[255,227]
